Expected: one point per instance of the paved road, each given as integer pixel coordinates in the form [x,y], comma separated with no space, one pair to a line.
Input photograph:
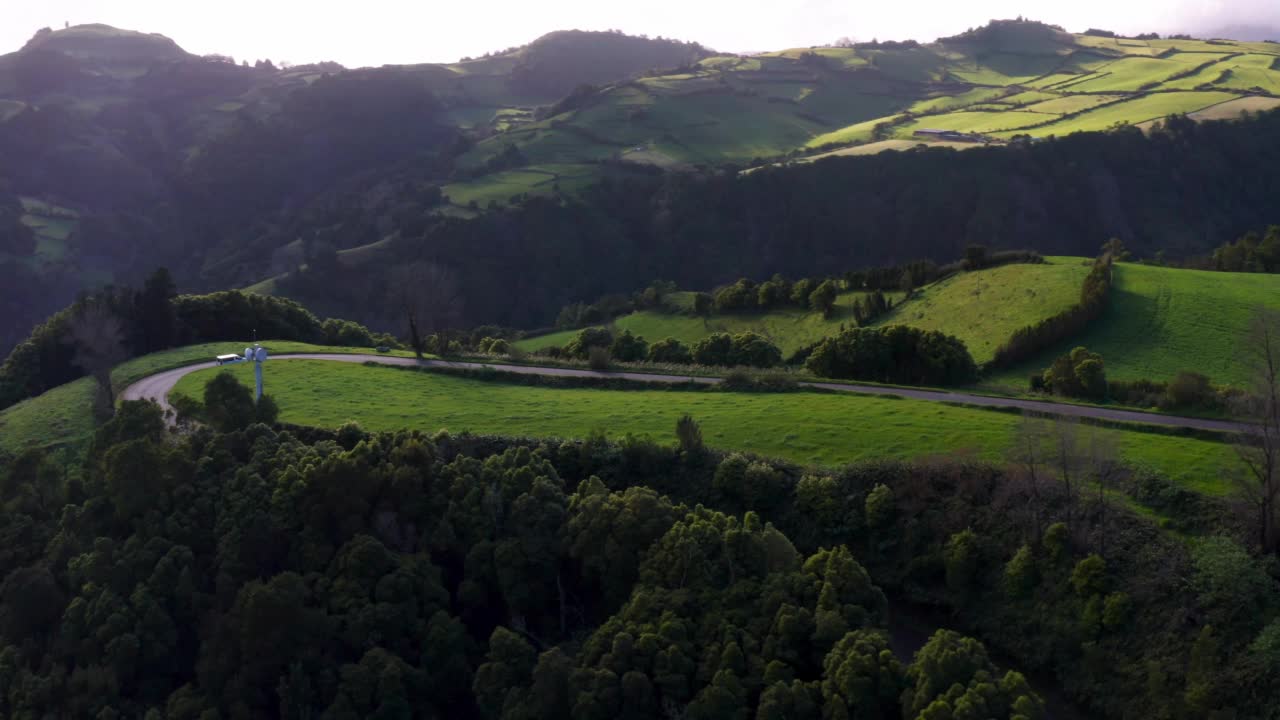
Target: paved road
[157,387]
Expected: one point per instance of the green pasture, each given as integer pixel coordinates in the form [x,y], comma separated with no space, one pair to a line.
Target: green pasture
[1133,74]
[1235,108]
[1134,112]
[788,328]
[858,132]
[1068,104]
[1161,321]
[955,102]
[983,309]
[974,122]
[502,186]
[806,427]
[896,144]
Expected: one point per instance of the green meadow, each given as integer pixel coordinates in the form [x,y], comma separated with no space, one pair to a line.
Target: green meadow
[982,309]
[788,328]
[1162,321]
[806,427]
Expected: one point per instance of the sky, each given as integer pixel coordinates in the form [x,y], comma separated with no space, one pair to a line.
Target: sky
[376,32]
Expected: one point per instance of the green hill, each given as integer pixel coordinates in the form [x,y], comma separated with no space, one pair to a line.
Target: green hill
[1005,79]
[982,308]
[1162,321]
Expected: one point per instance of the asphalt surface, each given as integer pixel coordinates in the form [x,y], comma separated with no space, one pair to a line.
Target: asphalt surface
[157,387]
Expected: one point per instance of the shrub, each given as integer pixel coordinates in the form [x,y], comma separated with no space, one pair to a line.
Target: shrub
[346,333]
[1190,390]
[494,346]
[670,350]
[741,296]
[753,350]
[713,349]
[629,348]
[1078,374]
[588,338]
[689,435]
[598,358]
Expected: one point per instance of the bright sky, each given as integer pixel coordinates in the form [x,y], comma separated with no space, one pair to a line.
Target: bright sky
[375,32]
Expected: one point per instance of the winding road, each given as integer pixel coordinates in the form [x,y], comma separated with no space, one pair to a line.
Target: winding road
[156,387]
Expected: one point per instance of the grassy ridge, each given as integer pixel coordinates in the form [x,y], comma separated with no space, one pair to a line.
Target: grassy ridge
[811,428]
[1162,321]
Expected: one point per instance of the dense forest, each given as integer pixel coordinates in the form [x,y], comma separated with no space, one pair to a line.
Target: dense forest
[305,573]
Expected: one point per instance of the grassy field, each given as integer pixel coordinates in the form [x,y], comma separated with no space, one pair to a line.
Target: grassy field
[810,428]
[62,417]
[900,144]
[1234,108]
[975,122]
[858,132]
[1139,110]
[1162,321]
[983,309]
[789,328]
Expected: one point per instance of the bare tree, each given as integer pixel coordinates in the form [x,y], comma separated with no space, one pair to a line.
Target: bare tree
[1065,449]
[1029,454]
[427,296]
[97,334]
[1103,460]
[1259,447]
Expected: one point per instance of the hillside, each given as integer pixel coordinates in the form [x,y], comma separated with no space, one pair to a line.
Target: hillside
[1006,79]
[126,153]
[1162,321]
[788,328]
[982,308]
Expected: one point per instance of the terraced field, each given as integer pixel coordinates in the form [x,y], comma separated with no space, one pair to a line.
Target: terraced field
[1022,79]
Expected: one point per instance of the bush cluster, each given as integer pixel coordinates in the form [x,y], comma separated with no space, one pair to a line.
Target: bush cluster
[894,354]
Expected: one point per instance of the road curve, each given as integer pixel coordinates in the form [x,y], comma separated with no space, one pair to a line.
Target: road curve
[156,387]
